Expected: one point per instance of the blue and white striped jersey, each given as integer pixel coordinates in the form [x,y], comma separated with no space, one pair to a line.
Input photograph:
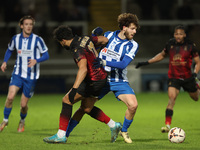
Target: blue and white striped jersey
[27,48]
[115,51]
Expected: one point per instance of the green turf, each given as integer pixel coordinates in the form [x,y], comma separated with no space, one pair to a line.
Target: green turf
[43,119]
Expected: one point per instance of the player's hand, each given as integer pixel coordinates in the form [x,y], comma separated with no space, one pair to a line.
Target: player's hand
[3,66]
[72,94]
[97,31]
[141,64]
[98,63]
[31,62]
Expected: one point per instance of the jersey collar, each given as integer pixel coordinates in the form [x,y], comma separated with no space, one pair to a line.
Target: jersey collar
[117,33]
[26,37]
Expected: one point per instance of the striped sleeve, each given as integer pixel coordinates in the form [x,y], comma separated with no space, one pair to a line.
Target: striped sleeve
[41,45]
[11,45]
[133,49]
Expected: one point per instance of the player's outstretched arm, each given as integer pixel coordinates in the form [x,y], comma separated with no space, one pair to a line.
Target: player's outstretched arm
[141,64]
[121,64]
[102,40]
[98,62]
[160,56]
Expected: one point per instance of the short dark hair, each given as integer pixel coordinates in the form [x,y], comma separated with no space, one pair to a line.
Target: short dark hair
[180,26]
[125,19]
[21,21]
[63,32]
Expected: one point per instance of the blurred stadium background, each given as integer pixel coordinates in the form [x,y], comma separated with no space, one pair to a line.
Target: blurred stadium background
[157,21]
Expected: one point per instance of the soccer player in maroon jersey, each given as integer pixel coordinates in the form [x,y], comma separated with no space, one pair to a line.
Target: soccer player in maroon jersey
[181,52]
[88,84]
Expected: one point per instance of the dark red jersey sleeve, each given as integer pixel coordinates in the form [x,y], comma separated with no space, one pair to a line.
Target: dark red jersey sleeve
[79,54]
[94,39]
[194,50]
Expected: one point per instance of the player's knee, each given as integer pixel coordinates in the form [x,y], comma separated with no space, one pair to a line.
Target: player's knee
[10,99]
[87,110]
[24,106]
[66,100]
[172,97]
[133,107]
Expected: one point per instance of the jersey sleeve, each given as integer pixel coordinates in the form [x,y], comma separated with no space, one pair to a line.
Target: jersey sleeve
[79,54]
[94,39]
[45,56]
[121,64]
[41,45]
[194,50]
[11,45]
[133,49]
[7,55]
[106,34]
[166,48]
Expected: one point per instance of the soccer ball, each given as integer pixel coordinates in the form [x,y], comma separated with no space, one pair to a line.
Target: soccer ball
[176,135]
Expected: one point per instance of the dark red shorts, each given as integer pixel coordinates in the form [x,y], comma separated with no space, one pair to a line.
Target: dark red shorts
[91,88]
[188,85]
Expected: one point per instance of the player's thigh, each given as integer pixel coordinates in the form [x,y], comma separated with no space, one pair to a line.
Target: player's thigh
[194,95]
[129,99]
[172,93]
[88,103]
[15,84]
[104,90]
[12,91]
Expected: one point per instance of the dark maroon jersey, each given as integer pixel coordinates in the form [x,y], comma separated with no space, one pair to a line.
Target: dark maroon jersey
[83,48]
[180,58]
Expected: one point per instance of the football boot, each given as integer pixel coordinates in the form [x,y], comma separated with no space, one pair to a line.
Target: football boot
[55,139]
[3,125]
[115,131]
[126,137]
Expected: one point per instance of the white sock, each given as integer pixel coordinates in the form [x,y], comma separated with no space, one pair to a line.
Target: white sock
[61,133]
[6,120]
[111,123]
[22,120]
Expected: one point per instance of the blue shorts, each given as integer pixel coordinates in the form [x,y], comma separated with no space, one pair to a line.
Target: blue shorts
[27,84]
[117,88]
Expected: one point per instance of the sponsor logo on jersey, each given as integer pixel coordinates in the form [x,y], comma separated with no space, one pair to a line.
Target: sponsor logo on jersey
[104,50]
[19,51]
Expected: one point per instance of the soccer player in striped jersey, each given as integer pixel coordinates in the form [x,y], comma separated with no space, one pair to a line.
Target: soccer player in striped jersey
[116,56]
[181,52]
[88,84]
[31,51]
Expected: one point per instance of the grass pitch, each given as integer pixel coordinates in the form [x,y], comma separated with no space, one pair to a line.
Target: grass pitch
[43,119]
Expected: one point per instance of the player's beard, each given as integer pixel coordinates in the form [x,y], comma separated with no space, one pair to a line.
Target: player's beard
[127,35]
